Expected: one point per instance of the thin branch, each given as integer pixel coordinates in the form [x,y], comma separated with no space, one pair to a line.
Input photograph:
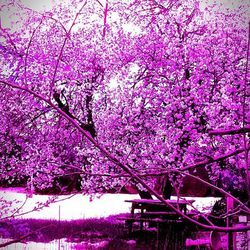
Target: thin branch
[160,174]
[45,204]
[11,42]
[204,216]
[27,50]
[33,119]
[164,173]
[18,209]
[23,237]
[244,130]
[99,3]
[216,159]
[232,212]
[105,19]
[37,13]
[214,187]
[31,38]
[124,184]
[244,116]
[62,48]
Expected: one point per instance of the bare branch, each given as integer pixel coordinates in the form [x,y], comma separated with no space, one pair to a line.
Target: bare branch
[27,50]
[61,50]
[216,159]
[41,206]
[214,187]
[23,237]
[105,19]
[230,131]
[244,115]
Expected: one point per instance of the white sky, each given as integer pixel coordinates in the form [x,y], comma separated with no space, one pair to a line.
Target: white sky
[39,5]
[46,4]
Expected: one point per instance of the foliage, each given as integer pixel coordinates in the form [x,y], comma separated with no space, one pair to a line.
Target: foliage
[146,79]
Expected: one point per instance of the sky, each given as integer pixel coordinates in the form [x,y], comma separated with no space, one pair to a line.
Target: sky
[40,5]
[47,4]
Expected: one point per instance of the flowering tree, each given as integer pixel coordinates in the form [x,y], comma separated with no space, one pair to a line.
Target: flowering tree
[126,91]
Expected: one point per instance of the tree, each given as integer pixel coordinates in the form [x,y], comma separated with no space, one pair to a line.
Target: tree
[176,77]
[178,91]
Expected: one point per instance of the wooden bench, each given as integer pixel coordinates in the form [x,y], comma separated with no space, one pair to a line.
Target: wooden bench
[154,211]
[130,220]
[139,219]
[159,214]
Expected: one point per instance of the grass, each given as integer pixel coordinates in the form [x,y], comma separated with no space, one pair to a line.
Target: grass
[93,230]
[74,230]
[109,230]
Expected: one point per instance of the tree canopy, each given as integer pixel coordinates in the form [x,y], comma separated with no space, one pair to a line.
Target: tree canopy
[106,89]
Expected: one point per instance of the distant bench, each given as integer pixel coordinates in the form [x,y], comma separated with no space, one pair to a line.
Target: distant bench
[154,211]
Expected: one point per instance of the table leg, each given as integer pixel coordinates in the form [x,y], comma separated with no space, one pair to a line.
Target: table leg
[141,222]
[185,209]
[130,223]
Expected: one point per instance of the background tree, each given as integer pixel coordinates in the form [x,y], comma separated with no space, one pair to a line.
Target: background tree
[175,77]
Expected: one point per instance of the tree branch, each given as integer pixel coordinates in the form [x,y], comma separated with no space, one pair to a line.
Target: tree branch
[61,50]
[23,237]
[105,19]
[39,207]
[214,187]
[244,130]
[160,174]
[244,116]
[216,159]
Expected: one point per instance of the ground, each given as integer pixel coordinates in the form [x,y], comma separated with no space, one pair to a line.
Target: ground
[76,223]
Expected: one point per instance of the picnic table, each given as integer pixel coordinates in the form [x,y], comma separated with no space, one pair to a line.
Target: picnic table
[150,210]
